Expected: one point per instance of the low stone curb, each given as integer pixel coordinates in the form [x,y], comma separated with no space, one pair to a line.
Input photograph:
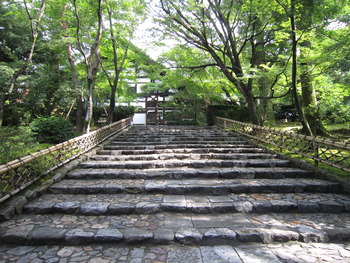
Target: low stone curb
[189,236]
[260,207]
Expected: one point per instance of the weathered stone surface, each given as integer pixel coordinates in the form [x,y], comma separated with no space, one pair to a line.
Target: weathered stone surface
[262,207]
[163,236]
[76,237]
[189,236]
[17,235]
[108,235]
[331,207]
[66,207]
[283,205]
[184,254]
[256,253]
[245,207]
[338,234]
[308,207]
[147,208]
[47,236]
[39,207]
[219,236]
[94,208]
[18,202]
[219,254]
[136,235]
[249,235]
[308,234]
[121,208]
[7,213]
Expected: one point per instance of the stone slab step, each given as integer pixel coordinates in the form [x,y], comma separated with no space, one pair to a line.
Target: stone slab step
[193,138]
[168,228]
[181,150]
[197,186]
[124,204]
[183,156]
[170,146]
[213,173]
[185,163]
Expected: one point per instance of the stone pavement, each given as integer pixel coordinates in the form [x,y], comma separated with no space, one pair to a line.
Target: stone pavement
[243,253]
[183,194]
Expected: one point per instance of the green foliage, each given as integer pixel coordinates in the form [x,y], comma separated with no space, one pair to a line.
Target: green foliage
[52,130]
[15,143]
[122,112]
[233,112]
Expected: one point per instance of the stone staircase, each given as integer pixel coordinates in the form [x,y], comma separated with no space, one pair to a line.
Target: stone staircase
[183,185]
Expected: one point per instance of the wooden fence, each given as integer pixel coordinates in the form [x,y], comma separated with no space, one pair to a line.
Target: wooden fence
[21,173]
[335,154]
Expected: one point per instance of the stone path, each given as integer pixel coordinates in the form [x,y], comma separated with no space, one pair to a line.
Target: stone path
[183,194]
[243,253]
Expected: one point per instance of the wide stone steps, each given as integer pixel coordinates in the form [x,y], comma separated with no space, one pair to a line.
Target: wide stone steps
[177,139]
[183,156]
[185,163]
[192,173]
[139,146]
[166,228]
[124,204]
[181,150]
[186,186]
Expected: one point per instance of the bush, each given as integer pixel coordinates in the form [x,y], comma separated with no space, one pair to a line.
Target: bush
[234,112]
[122,112]
[15,143]
[52,130]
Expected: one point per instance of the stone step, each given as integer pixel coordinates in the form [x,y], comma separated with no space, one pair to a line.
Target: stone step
[192,173]
[125,204]
[179,143]
[166,228]
[181,150]
[182,142]
[183,156]
[198,186]
[176,146]
[184,163]
[195,137]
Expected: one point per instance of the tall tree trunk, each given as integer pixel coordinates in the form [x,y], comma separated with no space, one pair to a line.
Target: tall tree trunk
[92,62]
[91,77]
[79,122]
[34,26]
[304,122]
[309,101]
[118,67]
[264,106]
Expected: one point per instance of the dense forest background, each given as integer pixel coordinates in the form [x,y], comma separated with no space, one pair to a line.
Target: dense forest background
[68,63]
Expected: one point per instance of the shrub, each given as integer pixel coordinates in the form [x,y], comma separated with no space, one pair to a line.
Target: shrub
[234,112]
[122,112]
[52,130]
[15,143]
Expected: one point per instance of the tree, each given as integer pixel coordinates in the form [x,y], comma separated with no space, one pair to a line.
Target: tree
[234,34]
[91,58]
[79,125]
[34,23]
[123,17]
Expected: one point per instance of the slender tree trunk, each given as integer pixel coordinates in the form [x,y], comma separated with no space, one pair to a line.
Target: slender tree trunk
[118,67]
[309,101]
[304,122]
[92,62]
[79,123]
[91,77]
